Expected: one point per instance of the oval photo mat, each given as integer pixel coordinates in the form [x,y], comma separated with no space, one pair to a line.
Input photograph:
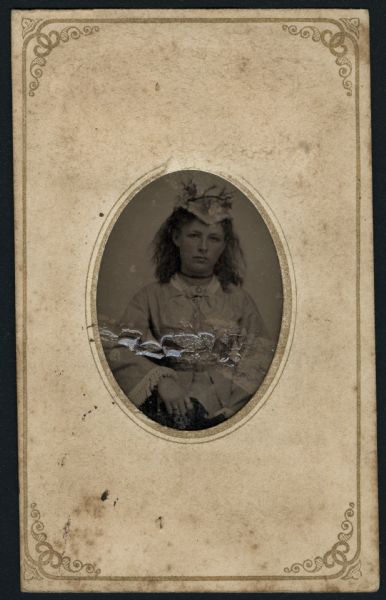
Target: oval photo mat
[121,266]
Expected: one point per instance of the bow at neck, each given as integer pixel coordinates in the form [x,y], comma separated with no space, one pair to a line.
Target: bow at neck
[194,291]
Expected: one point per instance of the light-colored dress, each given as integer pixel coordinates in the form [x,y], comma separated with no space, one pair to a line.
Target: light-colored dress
[212,341]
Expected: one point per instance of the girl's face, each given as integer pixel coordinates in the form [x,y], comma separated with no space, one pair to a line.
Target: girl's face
[200,246]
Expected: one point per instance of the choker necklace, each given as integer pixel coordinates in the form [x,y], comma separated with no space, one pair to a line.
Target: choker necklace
[196,276]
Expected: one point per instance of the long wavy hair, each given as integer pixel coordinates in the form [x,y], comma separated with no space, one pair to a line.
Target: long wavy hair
[166,255]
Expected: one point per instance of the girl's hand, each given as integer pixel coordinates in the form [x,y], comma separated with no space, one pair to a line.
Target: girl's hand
[173,396]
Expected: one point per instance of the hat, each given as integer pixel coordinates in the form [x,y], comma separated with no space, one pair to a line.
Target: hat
[211,206]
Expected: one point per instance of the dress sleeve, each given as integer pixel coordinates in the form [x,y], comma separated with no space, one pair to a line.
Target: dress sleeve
[132,352]
[252,357]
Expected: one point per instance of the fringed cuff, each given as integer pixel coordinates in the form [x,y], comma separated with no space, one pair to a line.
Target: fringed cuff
[144,388]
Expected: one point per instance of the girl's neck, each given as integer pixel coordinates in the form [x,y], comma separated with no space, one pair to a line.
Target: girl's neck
[195,279]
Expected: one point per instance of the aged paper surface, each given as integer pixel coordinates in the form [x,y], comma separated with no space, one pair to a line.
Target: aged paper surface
[281,495]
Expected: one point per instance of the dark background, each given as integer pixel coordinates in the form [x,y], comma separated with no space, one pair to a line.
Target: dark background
[9,543]
[126,262]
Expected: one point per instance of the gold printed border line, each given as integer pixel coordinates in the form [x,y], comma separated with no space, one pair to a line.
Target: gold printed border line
[28,27]
[48,557]
[30,571]
[337,555]
[354,572]
[335,42]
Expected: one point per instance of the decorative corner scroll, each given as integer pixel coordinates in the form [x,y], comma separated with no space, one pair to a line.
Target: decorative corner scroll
[46,42]
[30,571]
[351,25]
[336,556]
[47,556]
[29,25]
[354,572]
[335,41]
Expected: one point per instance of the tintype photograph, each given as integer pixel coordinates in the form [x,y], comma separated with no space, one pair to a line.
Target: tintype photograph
[189,300]
[194,300]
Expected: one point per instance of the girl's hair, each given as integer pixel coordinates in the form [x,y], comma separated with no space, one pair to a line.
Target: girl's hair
[166,255]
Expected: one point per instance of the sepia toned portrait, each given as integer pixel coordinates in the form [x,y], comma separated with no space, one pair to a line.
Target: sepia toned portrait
[189,300]
[194,300]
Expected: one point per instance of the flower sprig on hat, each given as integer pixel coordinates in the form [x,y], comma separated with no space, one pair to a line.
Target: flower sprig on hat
[211,205]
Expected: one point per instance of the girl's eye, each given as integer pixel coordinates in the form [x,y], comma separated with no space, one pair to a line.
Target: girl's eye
[215,239]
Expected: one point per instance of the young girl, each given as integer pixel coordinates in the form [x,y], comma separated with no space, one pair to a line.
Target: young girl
[191,348]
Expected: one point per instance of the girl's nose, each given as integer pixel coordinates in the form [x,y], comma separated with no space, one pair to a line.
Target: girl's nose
[203,244]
